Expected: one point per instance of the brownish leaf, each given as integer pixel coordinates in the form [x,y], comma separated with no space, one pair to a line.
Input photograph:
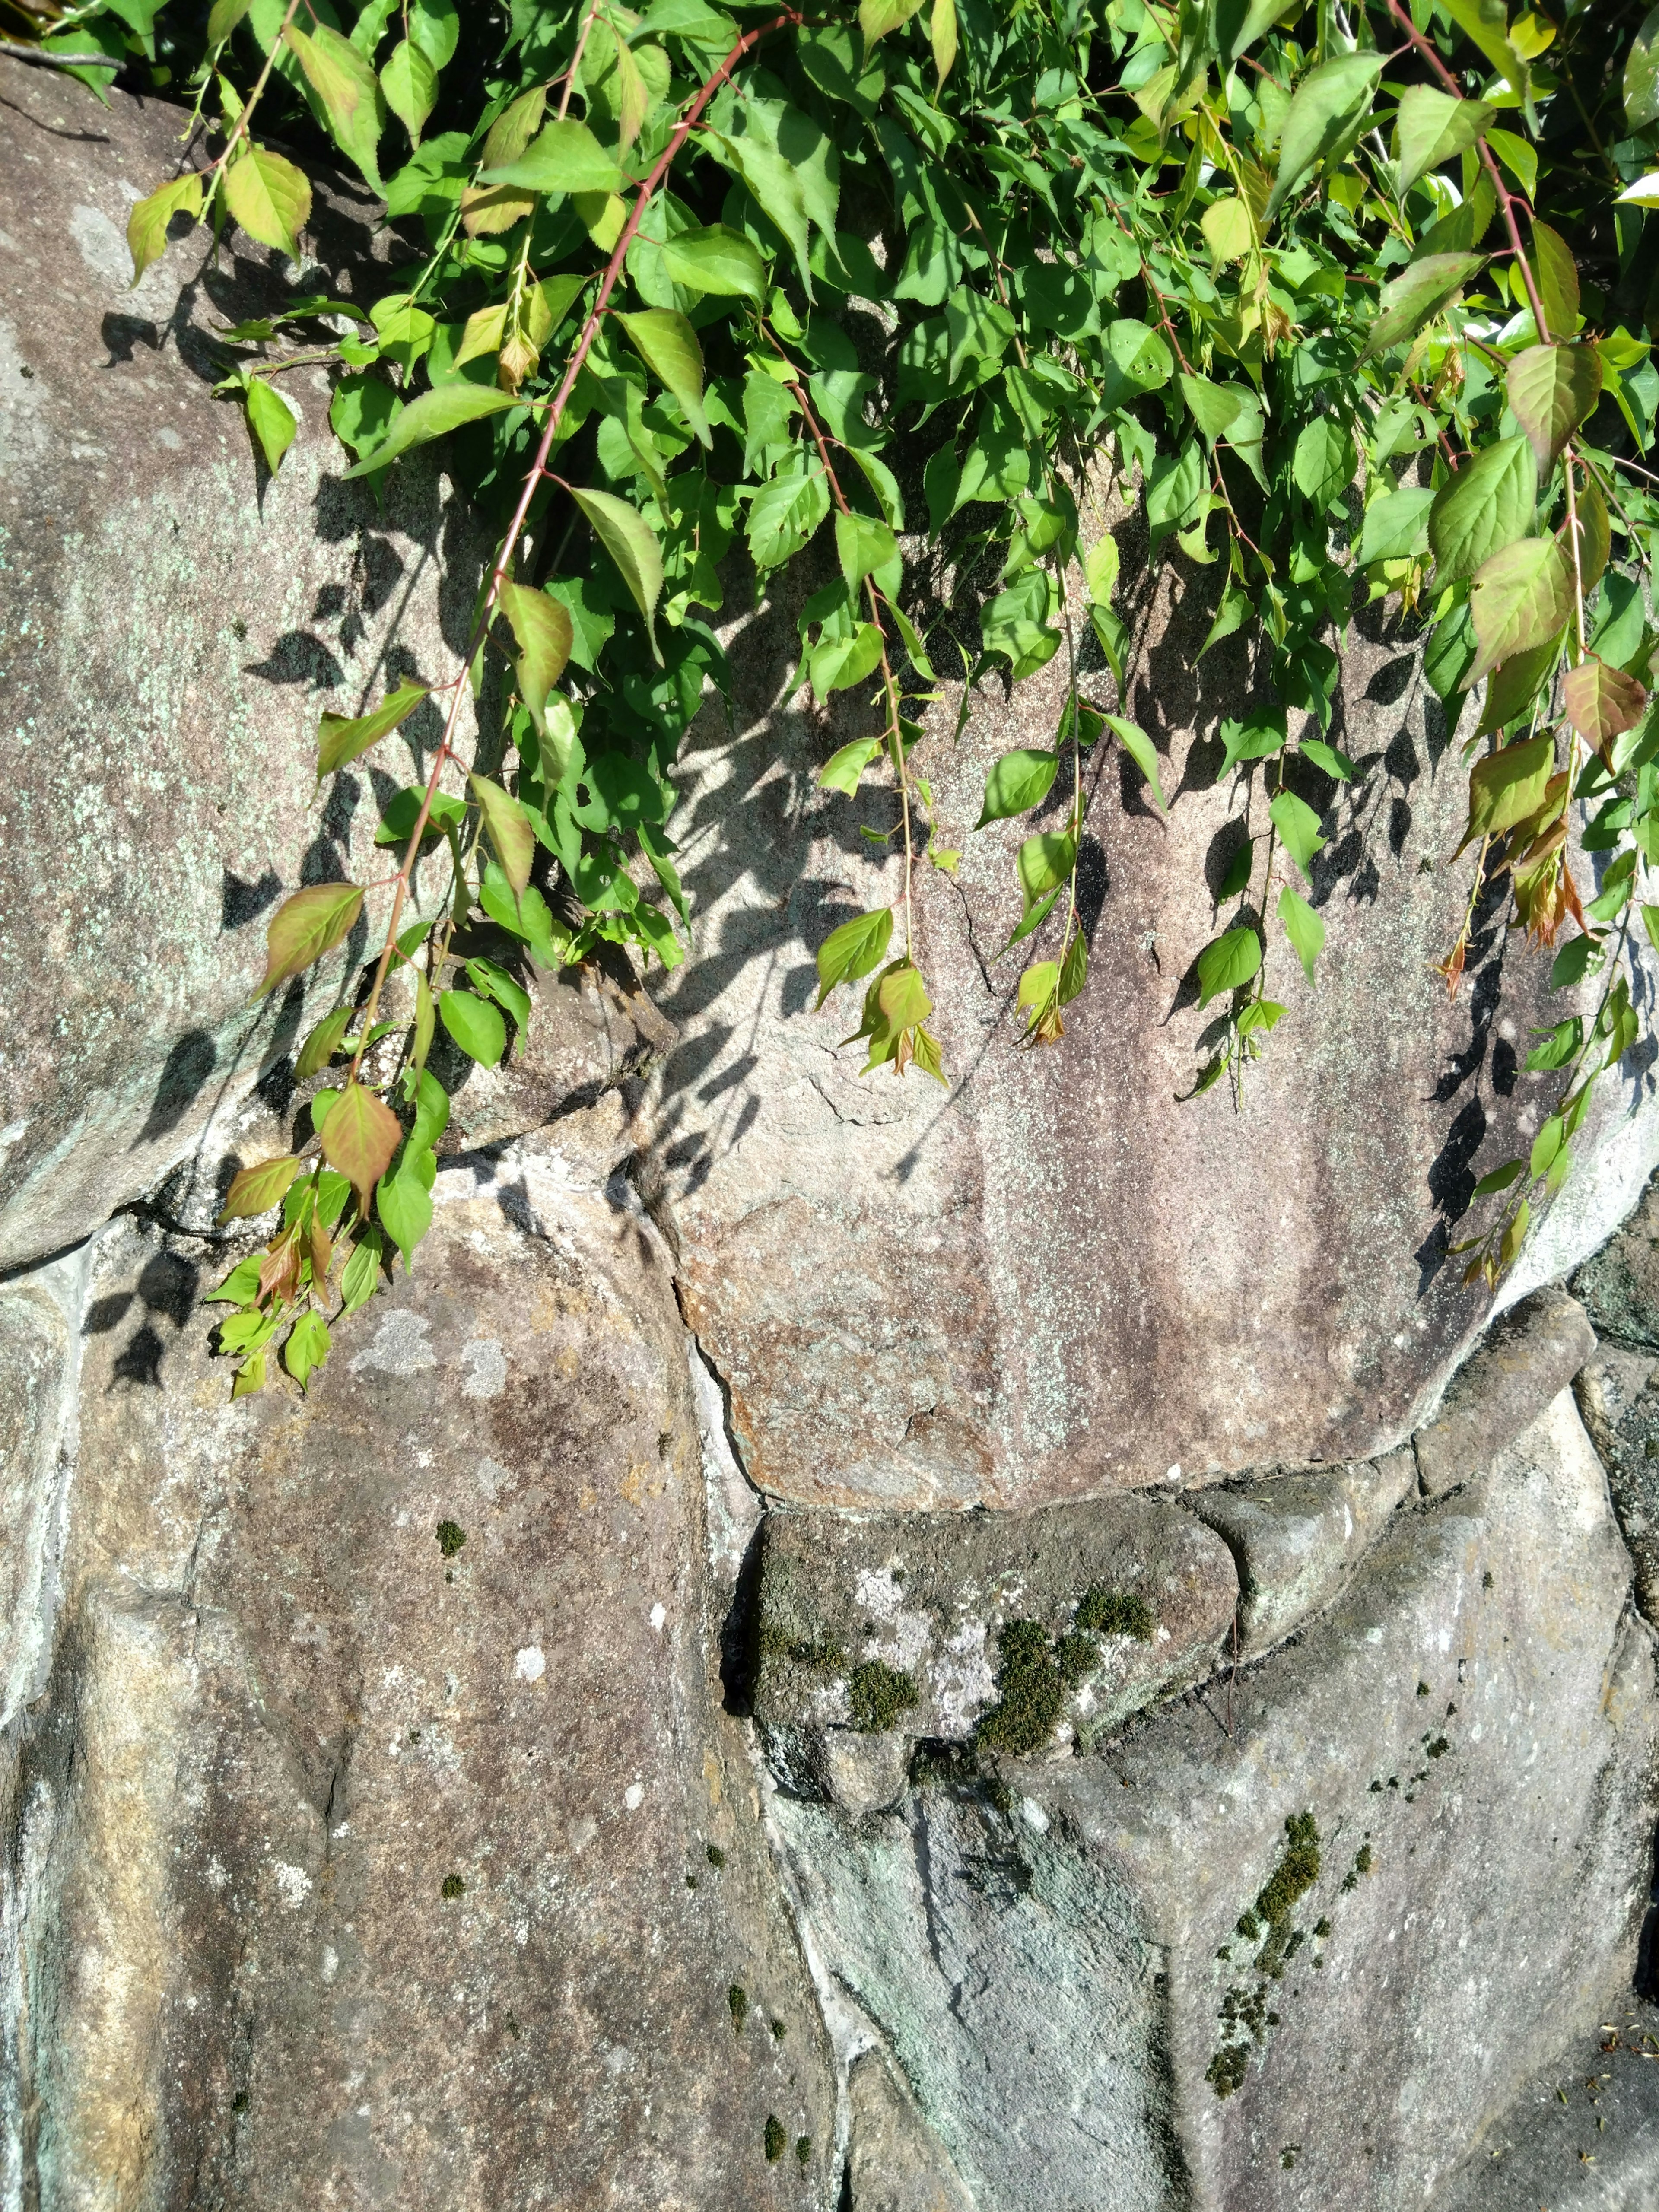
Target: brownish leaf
[1601,702]
[306,927]
[257,1189]
[359,1138]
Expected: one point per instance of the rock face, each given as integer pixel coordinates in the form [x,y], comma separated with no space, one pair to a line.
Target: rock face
[1306,1964]
[1056,1278]
[1523,1365]
[176,621]
[374,1835]
[1620,1401]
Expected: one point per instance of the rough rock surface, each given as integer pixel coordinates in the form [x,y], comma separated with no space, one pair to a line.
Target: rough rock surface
[1298,1539]
[1583,2137]
[1056,1277]
[175,623]
[1525,1361]
[1472,1730]
[1618,1288]
[894,2163]
[870,1623]
[374,1835]
[1619,1399]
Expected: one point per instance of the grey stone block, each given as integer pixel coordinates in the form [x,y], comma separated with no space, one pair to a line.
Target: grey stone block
[1523,1363]
[895,2162]
[1296,1539]
[1618,1395]
[1619,1287]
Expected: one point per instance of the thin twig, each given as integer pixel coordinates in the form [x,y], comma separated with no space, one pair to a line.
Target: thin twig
[42,59]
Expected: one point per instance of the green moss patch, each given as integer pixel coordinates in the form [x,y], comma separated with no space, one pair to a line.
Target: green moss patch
[877,1695]
[1102,1612]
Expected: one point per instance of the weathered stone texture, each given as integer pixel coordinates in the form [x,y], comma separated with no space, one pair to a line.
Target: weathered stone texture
[290,1710]
[1056,1277]
[894,2162]
[1619,1287]
[1618,1398]
[175,621]
[1472,1728]
[1297,1540]
[1524,1362]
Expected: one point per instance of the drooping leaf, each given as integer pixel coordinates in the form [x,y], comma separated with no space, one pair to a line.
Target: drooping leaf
[1043,863]
[304,926]
[1431,127]
[630,540]
[255,1190]
[1552,390]
[360,1136]
[147,226]
[362,1271]
[667,344]
[269,198]
[1520,597]
[1334,762]
[1259,734]
[864,547]
[403,1201]
[542,628]
[878,17]
[1324,460]
[508,828]
[341,737]
[410,84]
[565,157]
[1017,782]
[222,18]
[475,1025]
[321,1045]
[1487,505]
[271,422]
[853,949]
[1507,787]
[1487,21]
[1299,828]
[490,977]
[345,83]
[837,663]
[1303,927]
[1330,100]
[846,765]
[1422,289]
[1141,750]
[1556,274]
[433,414]
[1227,962]
[1642,74]
[1601,702]
[716,261]
[1396,526]
[942,36]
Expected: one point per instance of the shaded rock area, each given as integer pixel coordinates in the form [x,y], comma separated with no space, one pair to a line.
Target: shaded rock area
[374,1836]
[1618,1288]
[1229,1969]
[1523,1363]
[1063,1275]
[1618,1397]
[1048,1629]
[177,620]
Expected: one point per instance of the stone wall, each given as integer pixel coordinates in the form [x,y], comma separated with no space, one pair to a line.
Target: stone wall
[834,1643]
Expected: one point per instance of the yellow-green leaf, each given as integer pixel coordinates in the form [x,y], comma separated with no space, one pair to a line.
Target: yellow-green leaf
[718,261]
[628,539]
[341,737]
[878,17]
[360,1136]
[1507,787]
[942,35]
[269,198]
[1303,927]
[1227,962]
[1556,273]
[345,83]
[1487,505]
[304,926]
[667,344]
[324,1041]
[270,420]
[508,827]
[255,1190]
[565,157]
[1431,127]
[542,627]
[147,226]
[1519,597]
[436,413]
[410,86]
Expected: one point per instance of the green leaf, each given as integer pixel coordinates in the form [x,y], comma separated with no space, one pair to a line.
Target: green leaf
[1641,75]
[269,198]
[1227,229]
[1261,733]
[1487,21]
[565,157]
[147,226]
[668,346]
[544,632]
[403,1201]
[494,981]
[345,83]
[362,1271]
[359,1138]
[255,1190]
[434,415]
[270,420]
[402,810]
[1517,156]
[410,86]
[1331,100]
[1396,526]
[1227,962]
[716,261]
[1545,1146]
[1017,782]
[878,17]
[845,767]
[630,540]
[1298,828]
[340,738]
[1573,962]
[942,35]
[1334,762]
[321,1045]
[1602,702]
[837,663]
[1486,506]
[1507,787]
[1431,127]
[1044,863]
[1499,1179]
[304,926]
[1520,597]
[1421,290]
[509,831]
[306,1347]
[241,1286]
[1303,927]
[475,1024]
[785,514]
[435,27]
[1552,390]
[1561,1043]
[1141,750]
[864,547]
[222,18]
[853,949]
[1323,463]
[1556,273]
